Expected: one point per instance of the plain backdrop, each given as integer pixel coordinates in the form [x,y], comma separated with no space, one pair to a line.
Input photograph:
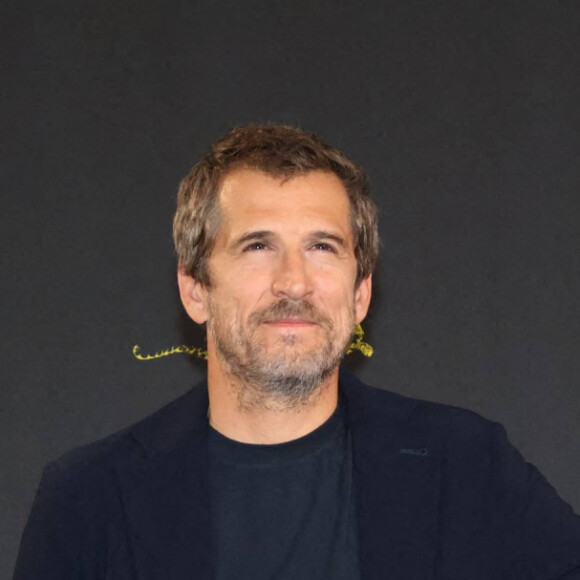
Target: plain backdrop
[465,115]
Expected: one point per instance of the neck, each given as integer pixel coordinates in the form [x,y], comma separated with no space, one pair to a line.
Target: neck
[267,421]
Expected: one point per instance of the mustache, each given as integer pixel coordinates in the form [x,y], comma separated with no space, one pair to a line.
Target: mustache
[291,309]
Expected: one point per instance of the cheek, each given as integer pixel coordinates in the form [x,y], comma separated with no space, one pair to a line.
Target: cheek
[338,299]
[338,276]
[237,298]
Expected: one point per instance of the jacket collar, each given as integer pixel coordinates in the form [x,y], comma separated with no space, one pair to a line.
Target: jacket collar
[165,493]
[397,472]
[397,479]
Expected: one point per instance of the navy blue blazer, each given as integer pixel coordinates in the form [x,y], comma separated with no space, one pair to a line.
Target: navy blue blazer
[441,494]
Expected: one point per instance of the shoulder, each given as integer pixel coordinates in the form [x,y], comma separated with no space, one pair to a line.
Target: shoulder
[372,404]
[79,508]
[91,468]
[467,443]
[484,483]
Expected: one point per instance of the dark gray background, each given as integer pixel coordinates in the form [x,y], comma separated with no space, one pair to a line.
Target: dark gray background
[465,114]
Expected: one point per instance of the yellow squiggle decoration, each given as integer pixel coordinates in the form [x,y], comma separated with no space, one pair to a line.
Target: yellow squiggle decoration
[183,349]
[357,344]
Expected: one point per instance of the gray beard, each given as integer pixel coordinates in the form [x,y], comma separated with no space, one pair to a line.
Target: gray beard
[283,381]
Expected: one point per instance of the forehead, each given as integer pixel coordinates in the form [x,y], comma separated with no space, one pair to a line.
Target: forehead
[316,199]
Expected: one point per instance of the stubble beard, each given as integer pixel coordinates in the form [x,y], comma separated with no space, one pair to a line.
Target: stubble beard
[284,376]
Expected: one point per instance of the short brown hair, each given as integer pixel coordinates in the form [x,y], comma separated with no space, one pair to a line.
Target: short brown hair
[279,151]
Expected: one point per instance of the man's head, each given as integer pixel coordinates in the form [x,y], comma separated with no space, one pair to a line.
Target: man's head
[278,151]
[281,273]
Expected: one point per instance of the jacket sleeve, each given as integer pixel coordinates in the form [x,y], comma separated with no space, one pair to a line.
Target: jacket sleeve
[52,533]
[540,528]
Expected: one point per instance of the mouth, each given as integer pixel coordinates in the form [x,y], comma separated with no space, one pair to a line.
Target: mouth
[290,322]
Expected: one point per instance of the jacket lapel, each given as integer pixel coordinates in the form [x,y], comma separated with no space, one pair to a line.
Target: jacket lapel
[165,495]
[397,484]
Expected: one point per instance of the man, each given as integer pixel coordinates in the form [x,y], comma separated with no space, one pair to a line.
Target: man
[279,467]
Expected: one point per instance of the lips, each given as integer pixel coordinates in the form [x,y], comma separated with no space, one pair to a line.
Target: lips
[290,322]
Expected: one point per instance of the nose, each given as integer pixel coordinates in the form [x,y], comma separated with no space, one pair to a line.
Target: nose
[292,279]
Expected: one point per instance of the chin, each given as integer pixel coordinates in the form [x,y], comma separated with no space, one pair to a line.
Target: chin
[295,343]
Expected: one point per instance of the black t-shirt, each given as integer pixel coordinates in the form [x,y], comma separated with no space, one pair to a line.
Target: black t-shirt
[285,511]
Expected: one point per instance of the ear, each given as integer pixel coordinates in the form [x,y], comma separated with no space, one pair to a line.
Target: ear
[193,296]
[362,298]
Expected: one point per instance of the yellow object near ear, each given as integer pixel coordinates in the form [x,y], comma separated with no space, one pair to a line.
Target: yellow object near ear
[357,344]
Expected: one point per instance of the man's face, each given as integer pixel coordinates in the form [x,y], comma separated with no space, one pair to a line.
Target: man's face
[282,304]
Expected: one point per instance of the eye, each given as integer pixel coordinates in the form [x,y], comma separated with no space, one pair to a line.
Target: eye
[255,247]
[324,247]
